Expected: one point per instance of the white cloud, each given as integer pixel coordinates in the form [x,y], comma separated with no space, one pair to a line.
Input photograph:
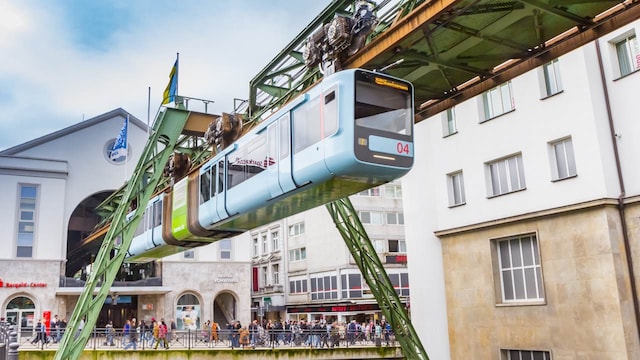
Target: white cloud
[49,82]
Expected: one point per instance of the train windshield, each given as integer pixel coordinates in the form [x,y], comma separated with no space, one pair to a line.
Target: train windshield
[383,105]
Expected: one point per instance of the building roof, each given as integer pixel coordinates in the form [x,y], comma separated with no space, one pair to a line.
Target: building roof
[73,128]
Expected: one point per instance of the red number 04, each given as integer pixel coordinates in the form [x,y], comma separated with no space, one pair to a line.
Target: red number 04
[402,148]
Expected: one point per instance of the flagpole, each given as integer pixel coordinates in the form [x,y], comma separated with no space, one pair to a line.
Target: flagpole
[126,150]
[149,112]
[177,70]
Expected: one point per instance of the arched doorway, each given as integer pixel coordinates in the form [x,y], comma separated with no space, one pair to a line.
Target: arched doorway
[188,312]
[81,223]
[81,253]
[224,308]
[21,311]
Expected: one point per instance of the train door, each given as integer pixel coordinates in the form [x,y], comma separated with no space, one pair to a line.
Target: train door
[307,143]
[219,188]
[285,178]
[153,218]
[272,161]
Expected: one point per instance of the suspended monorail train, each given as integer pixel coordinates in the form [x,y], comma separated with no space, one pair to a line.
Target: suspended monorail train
[350,132]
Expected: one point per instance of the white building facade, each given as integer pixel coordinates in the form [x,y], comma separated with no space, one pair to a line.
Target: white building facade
[302,269]
[50,185]
[524,214]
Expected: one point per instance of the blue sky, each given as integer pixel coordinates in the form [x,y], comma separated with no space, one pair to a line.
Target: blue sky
[65,61]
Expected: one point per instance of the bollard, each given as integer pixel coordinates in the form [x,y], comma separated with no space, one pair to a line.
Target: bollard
[12,354]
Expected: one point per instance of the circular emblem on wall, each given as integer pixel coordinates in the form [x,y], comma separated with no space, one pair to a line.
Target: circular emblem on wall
[116,158]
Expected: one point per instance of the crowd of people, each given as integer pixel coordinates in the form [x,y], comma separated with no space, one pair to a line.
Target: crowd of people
[315,334]
[156,334]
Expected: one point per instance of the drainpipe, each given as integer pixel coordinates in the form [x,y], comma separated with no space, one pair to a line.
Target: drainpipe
[623,221]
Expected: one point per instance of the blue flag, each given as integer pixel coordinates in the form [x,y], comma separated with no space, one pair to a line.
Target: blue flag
[170,91]
[120,146]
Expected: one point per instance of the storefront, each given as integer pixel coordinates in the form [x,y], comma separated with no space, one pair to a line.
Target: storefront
[340,312]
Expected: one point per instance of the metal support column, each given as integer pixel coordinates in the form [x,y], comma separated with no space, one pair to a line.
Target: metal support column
[355,237]
[138,191]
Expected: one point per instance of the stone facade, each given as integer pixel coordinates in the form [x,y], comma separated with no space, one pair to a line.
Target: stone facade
[587,311]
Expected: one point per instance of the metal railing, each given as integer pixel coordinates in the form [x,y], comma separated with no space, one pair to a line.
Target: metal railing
[203,339]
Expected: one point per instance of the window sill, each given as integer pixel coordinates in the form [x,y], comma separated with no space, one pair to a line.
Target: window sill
[624,76]
[450,134]
[457,205]
[565,178]
[497,116]
[507,193]
[551,95]
[523,303]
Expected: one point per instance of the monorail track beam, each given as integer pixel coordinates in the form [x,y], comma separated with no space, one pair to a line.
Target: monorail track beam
[355,237]
[162,141]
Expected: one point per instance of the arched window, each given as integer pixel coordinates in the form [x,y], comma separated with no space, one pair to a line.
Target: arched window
[188,312]
[21,312]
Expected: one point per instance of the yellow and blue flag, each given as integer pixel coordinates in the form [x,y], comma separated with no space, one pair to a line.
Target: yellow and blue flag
[170,92]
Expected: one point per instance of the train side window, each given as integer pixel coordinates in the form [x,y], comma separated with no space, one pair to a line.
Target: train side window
[257,156]
[235,169]
[248,160]
[157,213]
[273,145]
[205,186]
[140,227]
[220,170]
[284,136]
[330,113]
[147,218]
[306,125]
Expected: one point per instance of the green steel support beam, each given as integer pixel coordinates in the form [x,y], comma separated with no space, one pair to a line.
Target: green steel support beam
[287,69]
[355,237]
[166,132]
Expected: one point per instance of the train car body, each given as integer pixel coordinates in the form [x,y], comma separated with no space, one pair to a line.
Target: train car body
[350,132]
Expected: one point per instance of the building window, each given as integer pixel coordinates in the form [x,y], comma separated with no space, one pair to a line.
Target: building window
[371,217]
[449,122]
[225,249]
[255,247]
[395,218]
[520,270]
[498,101]
[455,186]
[524,355]
[393,191]
[370,192]
[628,55]
[296,229]
[297,254]
[324,286]
[265,276]
[552,80]
[297,285]
[275,274]
[562,159]
[20,311]
[265,245]
[397,246]
[378,244]
[351,286]
[26,220]
[275,241]
[188,312]
[506,175]
[189,255]
[400,283]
